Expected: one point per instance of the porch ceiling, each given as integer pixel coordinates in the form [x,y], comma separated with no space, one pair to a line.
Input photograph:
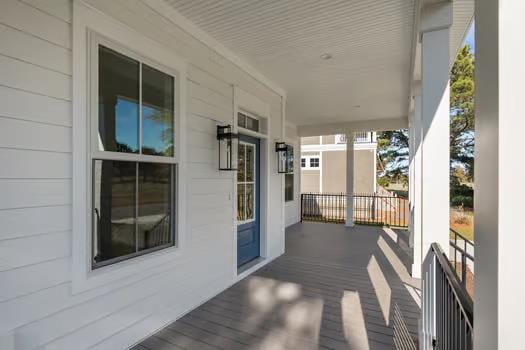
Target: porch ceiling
[371,44]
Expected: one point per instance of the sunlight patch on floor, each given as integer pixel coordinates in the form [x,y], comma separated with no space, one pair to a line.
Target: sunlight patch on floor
[381,288]
[354,326]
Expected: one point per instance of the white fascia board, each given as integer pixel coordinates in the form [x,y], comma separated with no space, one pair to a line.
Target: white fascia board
[179,20]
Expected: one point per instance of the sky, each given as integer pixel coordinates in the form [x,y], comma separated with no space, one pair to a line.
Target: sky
[469,39]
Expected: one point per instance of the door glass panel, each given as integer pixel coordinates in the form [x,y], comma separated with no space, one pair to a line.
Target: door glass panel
[250,202]
[157,112]
[114,209]
[241,164]
[154,208]
[241,215]
[250,162]
[118,95]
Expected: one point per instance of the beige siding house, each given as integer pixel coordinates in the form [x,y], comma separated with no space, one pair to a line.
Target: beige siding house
[323,163]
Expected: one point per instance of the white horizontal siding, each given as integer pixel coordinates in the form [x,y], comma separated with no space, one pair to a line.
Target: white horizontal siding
[29,77]
[35,182]
[32,20]
[30,106]
[29,279]
[17,223]
[28,135]
[59,8]
[24,164]
[34,249]
[34,193]
[29,48]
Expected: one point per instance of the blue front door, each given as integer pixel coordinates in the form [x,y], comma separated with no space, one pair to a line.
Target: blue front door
[248,200]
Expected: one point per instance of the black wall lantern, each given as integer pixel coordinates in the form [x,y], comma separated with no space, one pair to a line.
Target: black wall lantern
[228,146]
[284,158]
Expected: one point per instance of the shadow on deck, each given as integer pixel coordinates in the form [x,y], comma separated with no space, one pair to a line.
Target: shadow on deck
[335,288]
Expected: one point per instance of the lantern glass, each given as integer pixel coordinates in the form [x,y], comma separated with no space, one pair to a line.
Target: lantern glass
[284,158]
[228,148]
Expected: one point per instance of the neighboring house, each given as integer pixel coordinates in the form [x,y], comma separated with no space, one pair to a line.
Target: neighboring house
[323,163]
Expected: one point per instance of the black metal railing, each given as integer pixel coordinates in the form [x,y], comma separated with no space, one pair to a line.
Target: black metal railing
[447,309]
[323,207]
[464,249]
[368,208]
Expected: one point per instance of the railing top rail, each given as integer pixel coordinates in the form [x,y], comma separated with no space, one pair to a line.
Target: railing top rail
[465,302]
[461,250]
[375,195]
[462,237]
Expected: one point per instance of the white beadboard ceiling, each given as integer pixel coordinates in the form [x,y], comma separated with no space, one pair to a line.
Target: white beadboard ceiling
[370,41]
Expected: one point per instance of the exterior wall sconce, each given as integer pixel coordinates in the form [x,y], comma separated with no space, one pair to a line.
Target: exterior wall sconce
[228,147]
[284,158]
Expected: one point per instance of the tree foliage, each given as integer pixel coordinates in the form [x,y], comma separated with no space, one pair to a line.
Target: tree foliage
[392,152]
[462,113]
[393,145]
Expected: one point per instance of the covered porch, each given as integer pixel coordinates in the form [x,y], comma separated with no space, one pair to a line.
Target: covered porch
[335,287]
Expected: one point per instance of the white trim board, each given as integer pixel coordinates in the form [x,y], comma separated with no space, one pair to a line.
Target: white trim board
[86,19]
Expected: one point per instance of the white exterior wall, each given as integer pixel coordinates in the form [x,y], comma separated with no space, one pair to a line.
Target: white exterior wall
[293,208]
[37,305]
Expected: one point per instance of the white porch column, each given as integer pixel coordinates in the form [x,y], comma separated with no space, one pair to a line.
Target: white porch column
[499,191]
[350,179]
[432,123]
[416,182]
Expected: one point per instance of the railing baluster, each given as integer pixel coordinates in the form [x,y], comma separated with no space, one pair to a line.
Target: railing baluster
[371,209]
[446,305]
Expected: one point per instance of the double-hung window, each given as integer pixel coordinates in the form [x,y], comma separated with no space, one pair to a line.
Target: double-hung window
[132,155]
[314,162]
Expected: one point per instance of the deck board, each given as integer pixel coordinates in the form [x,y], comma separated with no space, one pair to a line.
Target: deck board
[334,288]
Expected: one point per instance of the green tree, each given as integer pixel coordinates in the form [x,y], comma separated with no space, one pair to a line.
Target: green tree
[462,113]
[392,148]
[393,157]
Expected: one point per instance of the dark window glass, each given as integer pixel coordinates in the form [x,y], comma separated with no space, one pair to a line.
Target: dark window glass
[241,120]
[155,195]
[288,187]
[119,196]
[114,201]
[252,124]
[289,159]
[118,99]
[314,162]
[157,112]
[303,162]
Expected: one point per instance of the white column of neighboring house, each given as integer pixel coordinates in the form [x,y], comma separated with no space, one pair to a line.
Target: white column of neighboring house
[432,114]
[350,179]
[499,296]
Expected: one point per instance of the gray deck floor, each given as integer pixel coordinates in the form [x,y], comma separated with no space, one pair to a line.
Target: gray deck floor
[335,288]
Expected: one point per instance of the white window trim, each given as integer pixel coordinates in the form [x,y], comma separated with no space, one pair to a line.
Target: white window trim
[307,165]
[85,21]
[243,101]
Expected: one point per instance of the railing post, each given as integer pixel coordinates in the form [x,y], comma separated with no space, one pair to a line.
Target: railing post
[302,204]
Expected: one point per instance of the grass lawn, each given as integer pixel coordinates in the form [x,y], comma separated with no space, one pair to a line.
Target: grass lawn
[462,221]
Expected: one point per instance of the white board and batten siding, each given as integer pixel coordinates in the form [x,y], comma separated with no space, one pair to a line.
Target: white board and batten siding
[37,306]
